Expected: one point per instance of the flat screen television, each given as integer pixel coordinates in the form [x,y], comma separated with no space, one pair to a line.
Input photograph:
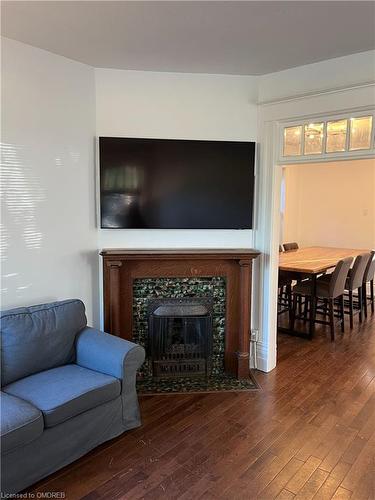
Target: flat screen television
[176,184]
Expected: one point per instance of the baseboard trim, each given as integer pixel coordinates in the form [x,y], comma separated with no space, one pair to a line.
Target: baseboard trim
[261,358]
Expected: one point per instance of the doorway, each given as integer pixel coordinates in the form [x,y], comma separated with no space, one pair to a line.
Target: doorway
[326,208]
[274,118]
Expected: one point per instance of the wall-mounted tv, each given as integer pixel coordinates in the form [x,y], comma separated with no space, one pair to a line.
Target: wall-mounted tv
[176,184]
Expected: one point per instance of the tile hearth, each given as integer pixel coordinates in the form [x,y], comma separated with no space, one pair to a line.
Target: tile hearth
[215,383]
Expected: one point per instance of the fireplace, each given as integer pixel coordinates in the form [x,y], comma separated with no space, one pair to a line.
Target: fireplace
[125,271]
[180,337]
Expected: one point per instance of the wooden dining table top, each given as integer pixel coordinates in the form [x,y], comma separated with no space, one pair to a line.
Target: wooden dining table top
[313,260]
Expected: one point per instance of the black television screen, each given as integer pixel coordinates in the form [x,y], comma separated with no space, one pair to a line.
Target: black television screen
[176,184]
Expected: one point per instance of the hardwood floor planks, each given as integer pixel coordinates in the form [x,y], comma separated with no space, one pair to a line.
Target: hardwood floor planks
[342,494]
[275,487]
[311,487]
[297,482]
[309,433]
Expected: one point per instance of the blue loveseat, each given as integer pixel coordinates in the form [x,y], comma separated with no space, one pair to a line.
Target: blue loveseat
[65,389]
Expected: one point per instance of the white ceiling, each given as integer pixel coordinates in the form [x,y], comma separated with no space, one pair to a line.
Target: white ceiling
[245,38]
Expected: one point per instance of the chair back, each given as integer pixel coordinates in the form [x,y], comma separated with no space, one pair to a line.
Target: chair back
[357,273]
[370,268]
[290,246]
[338,277]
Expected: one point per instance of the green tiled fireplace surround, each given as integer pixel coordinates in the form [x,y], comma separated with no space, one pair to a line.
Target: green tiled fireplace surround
[145,289]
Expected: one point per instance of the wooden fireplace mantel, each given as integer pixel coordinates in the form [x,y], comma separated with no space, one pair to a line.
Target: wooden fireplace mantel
[121,267]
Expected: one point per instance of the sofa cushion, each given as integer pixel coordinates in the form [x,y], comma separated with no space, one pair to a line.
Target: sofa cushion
[40,337]
[21,422]
[64,392]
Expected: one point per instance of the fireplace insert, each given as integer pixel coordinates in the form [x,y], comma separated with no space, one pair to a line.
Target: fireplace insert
[180,337]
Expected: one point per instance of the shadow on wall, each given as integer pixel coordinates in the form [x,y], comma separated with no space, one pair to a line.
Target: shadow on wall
[21,192]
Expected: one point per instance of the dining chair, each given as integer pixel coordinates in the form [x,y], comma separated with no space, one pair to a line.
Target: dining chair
[284,291]
[354,282]
[369,278]
[328,288]
[290,246]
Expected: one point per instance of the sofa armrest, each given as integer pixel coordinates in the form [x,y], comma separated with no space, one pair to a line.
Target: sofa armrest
[108,354]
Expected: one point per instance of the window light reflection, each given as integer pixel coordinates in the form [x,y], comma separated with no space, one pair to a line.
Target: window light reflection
[20,192]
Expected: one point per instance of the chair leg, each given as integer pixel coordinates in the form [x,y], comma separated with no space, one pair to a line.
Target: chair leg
[289,295]
[306,307]
[331,319]
[364,299]
[342,313]
[312,314]
[372,295]
[292,316]
[360,303]
[299,305]
[351,308]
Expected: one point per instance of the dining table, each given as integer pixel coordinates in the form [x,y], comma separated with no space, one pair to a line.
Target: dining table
[312,262]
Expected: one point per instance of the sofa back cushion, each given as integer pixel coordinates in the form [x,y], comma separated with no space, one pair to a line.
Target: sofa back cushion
[39,337]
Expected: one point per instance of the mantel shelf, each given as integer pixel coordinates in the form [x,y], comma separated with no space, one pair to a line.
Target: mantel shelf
[228,253]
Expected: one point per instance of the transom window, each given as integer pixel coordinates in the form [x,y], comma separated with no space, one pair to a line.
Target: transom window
[328,137]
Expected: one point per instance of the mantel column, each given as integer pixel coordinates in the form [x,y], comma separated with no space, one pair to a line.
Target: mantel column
[243,361]
[112,293]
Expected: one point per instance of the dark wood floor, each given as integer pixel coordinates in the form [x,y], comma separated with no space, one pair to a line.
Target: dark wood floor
[309,433]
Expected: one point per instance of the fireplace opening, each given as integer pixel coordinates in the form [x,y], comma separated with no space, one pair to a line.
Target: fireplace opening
[180,337]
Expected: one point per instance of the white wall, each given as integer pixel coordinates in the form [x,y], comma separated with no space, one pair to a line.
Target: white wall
[48,214]
[330,204]
[183,106]
[338,73]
